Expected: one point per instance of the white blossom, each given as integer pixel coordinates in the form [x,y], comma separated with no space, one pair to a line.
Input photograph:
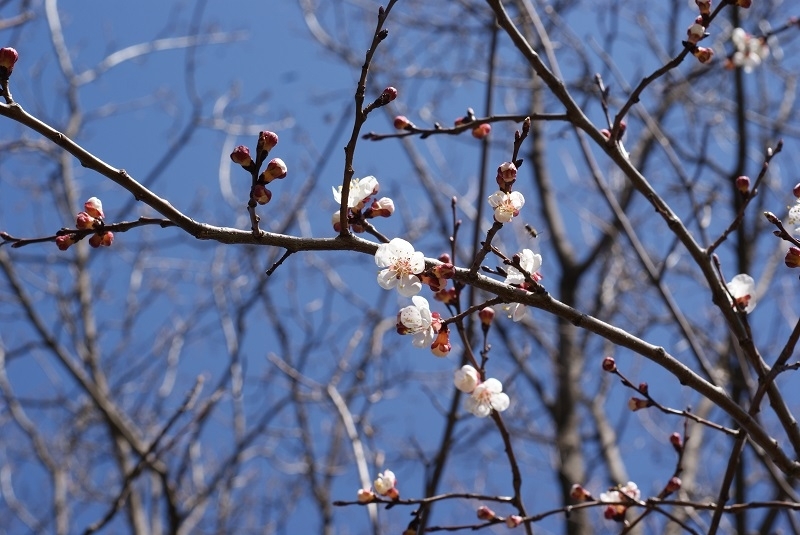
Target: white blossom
[529,261]
[515,311]
[385,482]
[466,379]
[743,289]
[506,205]
[750,51]
[402,265]
[487,396]
[417,319]
[360,191]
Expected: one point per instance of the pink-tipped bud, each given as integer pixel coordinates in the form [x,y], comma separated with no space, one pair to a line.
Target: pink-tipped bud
[448,296]
[401,122]
[436,284]
[796,190]
[743,184]
[481,131]
[64,242]
[84,221]
[704,6]
[388,95]
[445,258]
[513,521]
[636,404]
[484,513]
[441,346]
[241,155]
[383,207]
[792,258]
[703,54]
[276,169]
[673,485]
[676,441]
[94,208]
[266,141]
[261,194]
[580,494]
[643,388]
[102,240]
[444,271]
[506,173]
[696,31]
[609,364]
[365,496]
[8,57]
[486,315]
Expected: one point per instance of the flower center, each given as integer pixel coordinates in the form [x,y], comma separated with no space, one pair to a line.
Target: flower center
[402,266]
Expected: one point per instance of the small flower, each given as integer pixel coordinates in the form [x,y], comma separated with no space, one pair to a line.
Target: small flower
[64,242]
[8,57]
[749,50]
[484,513]
[580,494]
[266,142]
[636,404]
[360,191]
[261,194]
[792,258]
[84,221]
[241,155]
[696,31]
[402,265]
[385,484]
[365,496]
[743,289]
[506,205]
[481,131]
[513,521]
[401,122]
[528,261]
[486,397]
[609,364]
[703,54]
[466,379]
[94,208]
[276,168]
[441,346]
[383,207]
[418,320]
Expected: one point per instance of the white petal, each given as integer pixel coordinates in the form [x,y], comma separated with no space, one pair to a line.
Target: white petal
[500,402]
[492,385]
[387,279]
[408,285]
[519,312]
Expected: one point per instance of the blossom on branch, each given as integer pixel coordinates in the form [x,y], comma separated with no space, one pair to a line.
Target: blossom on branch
[417,319]
[386,485]
[743,289]
[617,498]
[749,50]
[466,379]
[486,397]
[94,208]
[8,57]
[360,191]
[402,264]
[528,261]
[506,205]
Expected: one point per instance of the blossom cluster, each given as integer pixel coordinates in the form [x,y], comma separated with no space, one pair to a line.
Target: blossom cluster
[276,168]
[361,190]
[90,219]
[484,396]
[530,263]
[747,55]
[384,485]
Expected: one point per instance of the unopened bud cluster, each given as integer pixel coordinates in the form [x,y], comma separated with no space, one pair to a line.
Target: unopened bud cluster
[276,168]
[90,219]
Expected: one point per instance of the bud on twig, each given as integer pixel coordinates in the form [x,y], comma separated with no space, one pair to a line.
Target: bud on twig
[609,364]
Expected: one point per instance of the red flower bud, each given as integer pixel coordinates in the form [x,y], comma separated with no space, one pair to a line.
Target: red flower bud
[266,141]
[63,242]
[792,258]
[8,57]
[441,346]
[506,173]
[676,441]
[796,190]
[486,316]
[744,3]
[673,485]
[703,54]
[241,155]
[484,513]
[444,271]
[636,404]
[580,494]
[276,168]
[261,194]
[401,122]
[704,5]
[643,388]
[84,221]
[743,184]
[94,208]
[389,94]
[609,364]
[481,131]
[447,296]
[445,258]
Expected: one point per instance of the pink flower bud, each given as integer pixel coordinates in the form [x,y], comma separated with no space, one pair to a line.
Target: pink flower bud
[383,207]
[486,316]
[445,258]
[275,169]
[441,346]
[792,258]
[609,364]
[636,404]
[580,494]
[506,173]
[673,485]
[743,184]
[63,242]
[703,54]
[261,194]
[448,296]
[266,141]
[481,131]
[389,94]
[606,133]
[513,521]
[676,441]
[401,122]
[335,221]
[696,31]
[436,284]
[94,208]
[704,5]
[365,496]
[444,271]
[241,155]
[102,240]
[84,221]
[643,388]
[8,57]
[484,513]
